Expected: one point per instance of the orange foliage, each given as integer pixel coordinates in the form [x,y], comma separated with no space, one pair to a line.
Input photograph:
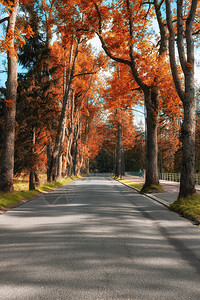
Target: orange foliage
[9,103]
[19,34]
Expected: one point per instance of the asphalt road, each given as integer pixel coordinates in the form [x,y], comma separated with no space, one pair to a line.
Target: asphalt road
[97,239]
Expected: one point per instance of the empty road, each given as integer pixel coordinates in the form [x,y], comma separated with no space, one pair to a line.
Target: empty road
[97,239]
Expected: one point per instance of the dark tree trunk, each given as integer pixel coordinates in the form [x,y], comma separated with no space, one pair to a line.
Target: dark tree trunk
[187,182]
[7,165]
[32,172]
[49,160]
[152,106]
[118,170]
[31,181]
[75,150]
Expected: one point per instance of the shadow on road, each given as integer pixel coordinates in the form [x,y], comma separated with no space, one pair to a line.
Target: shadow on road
[98,241]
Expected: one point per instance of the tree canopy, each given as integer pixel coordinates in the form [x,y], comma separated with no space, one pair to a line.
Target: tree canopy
[64,112]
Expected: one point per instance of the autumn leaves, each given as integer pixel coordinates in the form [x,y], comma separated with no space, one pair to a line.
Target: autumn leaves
[145,69]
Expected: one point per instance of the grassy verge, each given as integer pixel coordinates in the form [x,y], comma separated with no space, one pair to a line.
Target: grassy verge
[138,186]
[22,193]
[152,189]
[188,207]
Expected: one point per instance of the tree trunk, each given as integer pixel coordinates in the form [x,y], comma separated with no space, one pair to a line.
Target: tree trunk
[32,172]
[186,57]
[60,154]
[37,179]
[118,170]
[58,142]
[31,181]
[152,106]
[7,166]
[75,150]
[49,160]
[88,166]
[187,182]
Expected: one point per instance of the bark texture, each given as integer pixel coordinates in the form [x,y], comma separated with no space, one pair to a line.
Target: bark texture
[152,107]
[7,165]
[186,94]
[61,126]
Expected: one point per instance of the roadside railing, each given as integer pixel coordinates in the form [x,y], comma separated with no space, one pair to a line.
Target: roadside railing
[176,177]
[170,176]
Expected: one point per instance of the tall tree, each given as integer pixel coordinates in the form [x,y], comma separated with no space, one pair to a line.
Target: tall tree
[184,20]
[7,165]
[123,29]
[119,100]
[36,90]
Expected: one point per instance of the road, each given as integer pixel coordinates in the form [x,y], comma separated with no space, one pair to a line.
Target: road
[97,239]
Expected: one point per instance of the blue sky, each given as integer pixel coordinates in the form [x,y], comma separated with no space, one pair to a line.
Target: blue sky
[3,74]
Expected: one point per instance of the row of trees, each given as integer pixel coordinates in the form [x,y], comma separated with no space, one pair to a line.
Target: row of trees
[58,124]
[61,88]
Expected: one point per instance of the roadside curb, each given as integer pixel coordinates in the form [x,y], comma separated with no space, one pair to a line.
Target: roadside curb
[37,195]
[161,201]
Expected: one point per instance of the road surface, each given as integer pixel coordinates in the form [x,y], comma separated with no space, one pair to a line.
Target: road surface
[97,239]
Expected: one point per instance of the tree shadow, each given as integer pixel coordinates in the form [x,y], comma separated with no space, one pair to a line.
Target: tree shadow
[97,247]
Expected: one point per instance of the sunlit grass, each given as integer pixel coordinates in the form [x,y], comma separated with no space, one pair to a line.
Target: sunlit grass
[21,186]
[136,185]
[8,199]
[188,206]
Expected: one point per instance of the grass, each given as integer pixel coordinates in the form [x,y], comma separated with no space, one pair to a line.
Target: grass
[188,207]
[21,191]
[138,186]
[152,189]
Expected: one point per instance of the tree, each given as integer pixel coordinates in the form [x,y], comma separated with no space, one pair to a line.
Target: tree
[37,99]
[7,165]
[123,29]
[184,19]
[14,37]
[119,102]
[197,132]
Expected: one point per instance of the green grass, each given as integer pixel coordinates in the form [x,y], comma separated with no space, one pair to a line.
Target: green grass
[188,207]
[8,199]
[152,189]
[21,191]
[140,186]
[131,183]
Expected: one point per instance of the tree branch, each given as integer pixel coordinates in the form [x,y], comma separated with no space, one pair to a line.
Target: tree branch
[4,19]
[163,40]
[99,16]
[86,73]
[188,33]
[113,57]
[180,30]
[161,3]
[172,56]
